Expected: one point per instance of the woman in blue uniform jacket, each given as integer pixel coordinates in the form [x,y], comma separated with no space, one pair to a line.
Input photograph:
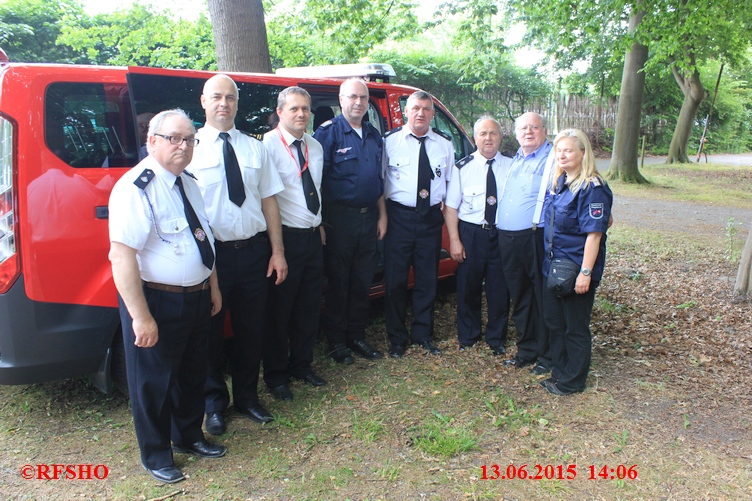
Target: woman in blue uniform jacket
[577,213]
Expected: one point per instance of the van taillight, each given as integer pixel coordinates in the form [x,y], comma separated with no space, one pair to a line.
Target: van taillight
[9,262]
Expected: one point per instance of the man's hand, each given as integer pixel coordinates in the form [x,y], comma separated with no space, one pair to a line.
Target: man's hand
[457,251]
[146,332]
[216,295]
[277,264]
[323,234]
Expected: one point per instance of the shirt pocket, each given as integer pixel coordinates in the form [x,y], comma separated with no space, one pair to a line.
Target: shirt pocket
[398,165]
[473,197]
[437,166]
[565,220]
[172,230]
[345,163]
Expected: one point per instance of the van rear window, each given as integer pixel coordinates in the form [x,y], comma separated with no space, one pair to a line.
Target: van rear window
[90,125]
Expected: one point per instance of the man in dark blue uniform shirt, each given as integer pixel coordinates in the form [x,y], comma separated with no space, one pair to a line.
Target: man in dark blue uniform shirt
[352,191]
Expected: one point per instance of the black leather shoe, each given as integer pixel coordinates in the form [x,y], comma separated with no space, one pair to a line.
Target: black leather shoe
[201,448]
[215,423]
[517,362]
[397,350]
[540,369]
[313,379]
[553,389]
[466,346]
[363,349]
[430,347]
[497,349]
[256,413]
[341,355]
[168,474]
[281,393]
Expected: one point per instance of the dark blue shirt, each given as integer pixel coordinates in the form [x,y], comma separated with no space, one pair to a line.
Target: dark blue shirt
[352,165]
[576,215]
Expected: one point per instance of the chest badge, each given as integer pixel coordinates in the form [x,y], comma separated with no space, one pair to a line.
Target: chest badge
[199,234]
[423,193]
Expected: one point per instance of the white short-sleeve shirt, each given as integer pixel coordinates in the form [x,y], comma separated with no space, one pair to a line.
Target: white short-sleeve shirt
[260,179]
[152,221]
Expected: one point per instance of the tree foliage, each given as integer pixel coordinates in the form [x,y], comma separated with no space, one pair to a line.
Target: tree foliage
[140,37]
[29,30]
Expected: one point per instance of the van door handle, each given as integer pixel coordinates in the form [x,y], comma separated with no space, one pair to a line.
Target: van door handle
[102,212]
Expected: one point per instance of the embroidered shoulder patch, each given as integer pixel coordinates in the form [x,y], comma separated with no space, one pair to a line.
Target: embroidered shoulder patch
[596,210]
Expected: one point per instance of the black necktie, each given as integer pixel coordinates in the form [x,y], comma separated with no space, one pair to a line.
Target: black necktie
[490,194]
[309,189]
[202,240]
[232,169]
[425,174]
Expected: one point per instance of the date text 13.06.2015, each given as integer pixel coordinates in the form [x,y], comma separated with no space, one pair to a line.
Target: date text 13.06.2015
[557,472]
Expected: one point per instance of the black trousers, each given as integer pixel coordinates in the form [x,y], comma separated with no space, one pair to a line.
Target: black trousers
[483,262]
[522,261]
[568,319]
[412,240]
[294,305]
[166,381]
[350,258]
[244,286]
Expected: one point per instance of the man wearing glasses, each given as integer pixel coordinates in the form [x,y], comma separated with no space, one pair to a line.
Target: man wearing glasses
[238,182]
[162,254]
[521,241]
[354,216]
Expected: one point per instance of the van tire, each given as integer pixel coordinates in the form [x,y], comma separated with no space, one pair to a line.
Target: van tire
[119,374]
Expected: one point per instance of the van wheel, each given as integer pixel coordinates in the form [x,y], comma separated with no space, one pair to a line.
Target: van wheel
[119,375]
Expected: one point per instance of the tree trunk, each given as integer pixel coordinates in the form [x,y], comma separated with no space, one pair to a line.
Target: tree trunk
[240,35]
[694,95]
[744,275]
[627,135]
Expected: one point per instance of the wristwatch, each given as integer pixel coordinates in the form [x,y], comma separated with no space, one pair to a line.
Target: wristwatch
[586,271]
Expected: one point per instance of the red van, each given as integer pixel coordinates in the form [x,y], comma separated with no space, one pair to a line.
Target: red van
[67,133]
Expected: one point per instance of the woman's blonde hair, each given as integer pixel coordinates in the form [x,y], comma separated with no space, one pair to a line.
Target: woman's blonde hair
[588,171]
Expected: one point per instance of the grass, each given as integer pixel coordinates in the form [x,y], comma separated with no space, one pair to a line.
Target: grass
[695,183]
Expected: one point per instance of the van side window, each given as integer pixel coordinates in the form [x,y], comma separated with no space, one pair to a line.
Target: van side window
[442,122]
[256,102]
[89,125]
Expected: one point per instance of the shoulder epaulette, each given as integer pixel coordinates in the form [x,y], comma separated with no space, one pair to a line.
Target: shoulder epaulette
[258,137]
[144,178]
[507,154]
[461,163]
[325,124]
[189,174]
[389,132]
[442,134]
[595,181]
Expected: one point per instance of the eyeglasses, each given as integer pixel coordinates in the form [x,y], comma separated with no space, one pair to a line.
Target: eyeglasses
[176,140]
[355,97]
[532,128]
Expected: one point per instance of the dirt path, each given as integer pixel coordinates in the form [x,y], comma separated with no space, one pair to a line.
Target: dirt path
[679,216]
[675,216]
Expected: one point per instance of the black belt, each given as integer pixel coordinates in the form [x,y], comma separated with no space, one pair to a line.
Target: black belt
[518,233]
[407,207]
[290,229]
[259,237]
[482,226]
[347,208]
[177,288]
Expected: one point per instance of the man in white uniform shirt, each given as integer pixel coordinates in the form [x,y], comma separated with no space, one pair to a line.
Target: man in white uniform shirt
[417,162]
[470,215]
[163,267]
[238,182]
[295,304]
